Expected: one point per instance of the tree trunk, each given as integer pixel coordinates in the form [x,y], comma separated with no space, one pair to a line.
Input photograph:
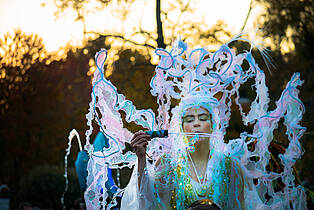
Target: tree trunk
[160,36]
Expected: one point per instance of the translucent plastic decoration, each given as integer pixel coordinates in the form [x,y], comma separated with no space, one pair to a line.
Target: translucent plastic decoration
[197,78]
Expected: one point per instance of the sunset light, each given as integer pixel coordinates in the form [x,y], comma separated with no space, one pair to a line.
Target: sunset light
[32,17]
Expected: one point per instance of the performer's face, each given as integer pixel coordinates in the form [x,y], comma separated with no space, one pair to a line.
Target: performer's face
[196,120]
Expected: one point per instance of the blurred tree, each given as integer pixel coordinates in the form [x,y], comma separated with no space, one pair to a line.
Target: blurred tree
[18,53]
[132,74]
[42,99]
[172,19]
[290,20]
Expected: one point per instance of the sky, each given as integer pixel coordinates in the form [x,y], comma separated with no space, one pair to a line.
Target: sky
[31,17]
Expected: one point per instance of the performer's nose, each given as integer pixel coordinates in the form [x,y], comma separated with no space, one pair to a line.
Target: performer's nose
[196,123]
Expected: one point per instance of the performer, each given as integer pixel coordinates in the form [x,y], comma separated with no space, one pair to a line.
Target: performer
[201,172]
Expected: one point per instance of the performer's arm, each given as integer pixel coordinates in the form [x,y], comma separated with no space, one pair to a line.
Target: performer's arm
[139,143]
[145,180]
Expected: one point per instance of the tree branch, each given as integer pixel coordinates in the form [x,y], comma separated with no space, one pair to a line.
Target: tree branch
[160,36]
[123,38]
[247,16]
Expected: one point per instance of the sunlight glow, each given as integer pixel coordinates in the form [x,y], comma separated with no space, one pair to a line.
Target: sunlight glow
[31,17]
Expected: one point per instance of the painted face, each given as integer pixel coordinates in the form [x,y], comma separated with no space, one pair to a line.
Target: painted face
[196,120]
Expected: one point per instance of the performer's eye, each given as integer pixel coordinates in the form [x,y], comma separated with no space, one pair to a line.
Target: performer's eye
[204,117]
[188,119]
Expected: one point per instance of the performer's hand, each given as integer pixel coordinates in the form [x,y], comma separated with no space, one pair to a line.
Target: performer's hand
[139,143]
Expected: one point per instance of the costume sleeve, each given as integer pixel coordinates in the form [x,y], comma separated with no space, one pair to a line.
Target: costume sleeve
[236,186]
[243,186]
[153,193]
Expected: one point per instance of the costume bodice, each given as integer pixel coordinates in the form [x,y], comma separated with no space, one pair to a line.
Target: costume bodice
[186,190]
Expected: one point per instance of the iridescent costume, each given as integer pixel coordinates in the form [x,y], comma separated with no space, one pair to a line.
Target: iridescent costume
[197,78]
[171,187]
